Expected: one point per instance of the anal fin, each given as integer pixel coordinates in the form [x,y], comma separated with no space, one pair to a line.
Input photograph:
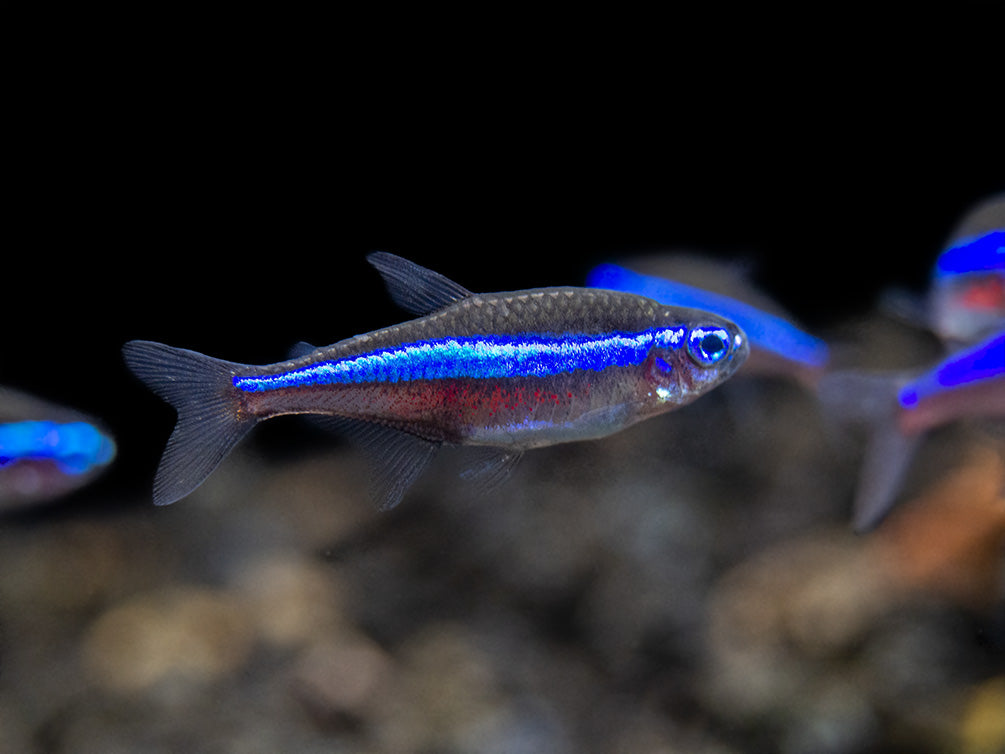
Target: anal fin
[397,458]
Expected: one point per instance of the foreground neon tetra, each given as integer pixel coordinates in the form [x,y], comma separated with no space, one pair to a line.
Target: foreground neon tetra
[507,371]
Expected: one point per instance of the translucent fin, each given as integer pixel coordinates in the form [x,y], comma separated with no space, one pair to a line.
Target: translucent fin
[200,389]
[492,469]
[904,307]
[870,400]
[397,458]
[301,349]
[848,396]
[888,456]
[416,289]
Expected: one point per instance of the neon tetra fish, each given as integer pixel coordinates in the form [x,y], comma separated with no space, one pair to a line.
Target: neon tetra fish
[508,371]
[966,297]
[899,411]
[970,382]
[46,451]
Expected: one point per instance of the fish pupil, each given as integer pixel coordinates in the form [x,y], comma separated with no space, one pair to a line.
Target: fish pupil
[712,345]
[708,346]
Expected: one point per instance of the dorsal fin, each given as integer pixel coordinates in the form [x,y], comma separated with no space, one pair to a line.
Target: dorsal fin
[414,288]
[301,349]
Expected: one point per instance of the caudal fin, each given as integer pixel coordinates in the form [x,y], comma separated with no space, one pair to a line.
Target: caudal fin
[870,401]
[200,389]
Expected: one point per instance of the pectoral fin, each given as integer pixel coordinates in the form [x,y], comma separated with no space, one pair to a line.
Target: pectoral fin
[491,468]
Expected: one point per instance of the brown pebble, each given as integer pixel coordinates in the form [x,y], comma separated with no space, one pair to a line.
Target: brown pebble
[193,632]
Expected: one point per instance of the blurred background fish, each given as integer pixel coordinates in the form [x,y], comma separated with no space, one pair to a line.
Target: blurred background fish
[970,382]
[965,300]
[897,408]
[47,451]
[967,295]
[777,344]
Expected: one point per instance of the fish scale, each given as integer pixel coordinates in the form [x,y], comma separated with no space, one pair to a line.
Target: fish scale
[536,310]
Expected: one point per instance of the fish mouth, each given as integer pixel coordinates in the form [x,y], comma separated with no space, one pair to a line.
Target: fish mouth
[740,350]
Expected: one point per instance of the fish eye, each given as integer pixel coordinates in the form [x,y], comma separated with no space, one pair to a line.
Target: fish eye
[707,345]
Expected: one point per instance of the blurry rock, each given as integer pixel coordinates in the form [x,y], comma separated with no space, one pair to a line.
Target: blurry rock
[949,541]
[321,498]
[914,668]
[983,727]
[194,633]
[96,561]
[15,734]
[341,679]
[654,551]
[446,688]
[649,732]
[821,592]
[832,717]
[541,542]
[775,617]
[289,599]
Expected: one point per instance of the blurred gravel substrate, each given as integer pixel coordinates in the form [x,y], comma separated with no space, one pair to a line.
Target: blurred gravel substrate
[690,585]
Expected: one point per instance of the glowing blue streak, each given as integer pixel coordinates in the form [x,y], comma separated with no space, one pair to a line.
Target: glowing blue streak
[481,357]
[985,361]
[979,254]
[763,330]
[76,446]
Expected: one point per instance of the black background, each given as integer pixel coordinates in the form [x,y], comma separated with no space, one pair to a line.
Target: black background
[216,183]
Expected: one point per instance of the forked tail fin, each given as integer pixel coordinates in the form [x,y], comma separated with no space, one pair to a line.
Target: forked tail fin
[201,390]
[854,398]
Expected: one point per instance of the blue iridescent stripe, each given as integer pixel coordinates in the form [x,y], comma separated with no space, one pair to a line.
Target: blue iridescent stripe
[482,357]
[75,446]
[985,361]
[981,254]
[763,330]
